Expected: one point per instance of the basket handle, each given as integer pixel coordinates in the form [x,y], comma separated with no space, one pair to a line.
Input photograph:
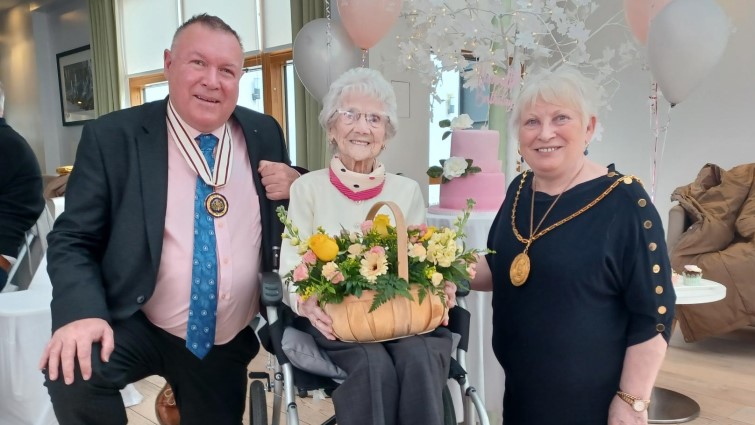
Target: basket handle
[403,251]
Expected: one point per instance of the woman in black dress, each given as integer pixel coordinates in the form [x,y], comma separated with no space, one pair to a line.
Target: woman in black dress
[582,295]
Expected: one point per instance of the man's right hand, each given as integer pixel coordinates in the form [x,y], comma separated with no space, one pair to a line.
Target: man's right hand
[74,342]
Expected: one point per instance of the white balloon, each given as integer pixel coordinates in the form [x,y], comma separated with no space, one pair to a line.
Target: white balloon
[318,64]
[686,40]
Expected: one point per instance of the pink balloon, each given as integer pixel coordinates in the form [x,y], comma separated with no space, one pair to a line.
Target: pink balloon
[367,21]
[639,13]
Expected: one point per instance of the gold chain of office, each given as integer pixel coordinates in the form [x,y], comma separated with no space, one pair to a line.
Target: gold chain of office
[520,267]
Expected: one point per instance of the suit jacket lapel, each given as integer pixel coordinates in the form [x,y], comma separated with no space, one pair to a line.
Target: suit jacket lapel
[152,148]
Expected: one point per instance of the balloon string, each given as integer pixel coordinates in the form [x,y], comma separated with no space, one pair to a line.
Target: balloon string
[654,127]
[328,40]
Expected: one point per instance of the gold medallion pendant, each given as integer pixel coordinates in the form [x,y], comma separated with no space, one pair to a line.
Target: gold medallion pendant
[520,269]
[216,204]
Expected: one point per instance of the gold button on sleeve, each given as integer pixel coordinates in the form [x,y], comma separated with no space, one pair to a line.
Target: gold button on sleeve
[652,246]
[656,268]
[627,180]
[647,224]
[660,327]
[662,309]
[642,202]
[659,289]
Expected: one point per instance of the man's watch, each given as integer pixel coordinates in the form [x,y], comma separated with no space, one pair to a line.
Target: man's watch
[638,404]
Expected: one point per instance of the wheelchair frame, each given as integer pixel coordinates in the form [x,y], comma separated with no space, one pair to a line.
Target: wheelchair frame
[284,388]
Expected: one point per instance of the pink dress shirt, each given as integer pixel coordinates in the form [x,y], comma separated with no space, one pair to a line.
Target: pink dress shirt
[238,236]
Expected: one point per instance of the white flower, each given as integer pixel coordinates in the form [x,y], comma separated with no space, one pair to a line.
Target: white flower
[461,122]
[418,251]
[454,167]
[329,270]
[437,279]
[373,265]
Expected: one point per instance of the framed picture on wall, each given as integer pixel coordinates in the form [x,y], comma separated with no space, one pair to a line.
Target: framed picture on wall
[76,85]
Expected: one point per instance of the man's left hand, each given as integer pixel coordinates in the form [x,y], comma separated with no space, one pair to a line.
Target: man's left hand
[277,178]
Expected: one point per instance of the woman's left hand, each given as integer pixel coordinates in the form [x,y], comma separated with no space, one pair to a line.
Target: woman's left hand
[450,290]
[621,413]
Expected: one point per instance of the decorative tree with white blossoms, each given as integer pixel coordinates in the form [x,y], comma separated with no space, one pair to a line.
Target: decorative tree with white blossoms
[494,43]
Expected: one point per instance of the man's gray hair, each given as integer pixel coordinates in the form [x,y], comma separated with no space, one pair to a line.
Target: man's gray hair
[210,21]
[368,82]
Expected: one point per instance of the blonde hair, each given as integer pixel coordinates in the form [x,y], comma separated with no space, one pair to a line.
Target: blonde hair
[564,86]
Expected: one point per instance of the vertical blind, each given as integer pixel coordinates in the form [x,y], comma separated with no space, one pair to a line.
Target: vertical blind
[147,26]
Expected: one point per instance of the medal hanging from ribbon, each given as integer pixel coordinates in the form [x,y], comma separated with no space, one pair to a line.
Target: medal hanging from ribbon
[216,203]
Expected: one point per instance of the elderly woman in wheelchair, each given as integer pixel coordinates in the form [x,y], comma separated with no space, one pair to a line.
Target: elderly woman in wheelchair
[394,382]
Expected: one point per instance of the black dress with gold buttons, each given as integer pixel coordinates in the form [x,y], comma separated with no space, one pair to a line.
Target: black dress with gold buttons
[598,283]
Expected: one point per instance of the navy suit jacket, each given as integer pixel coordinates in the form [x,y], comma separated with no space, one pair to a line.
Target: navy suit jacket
[104,250]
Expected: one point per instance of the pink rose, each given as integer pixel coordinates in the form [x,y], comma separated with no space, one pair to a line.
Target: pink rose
[366,227]
[472,270]
[377,250]
[337,278]
[301,272]
[309,257]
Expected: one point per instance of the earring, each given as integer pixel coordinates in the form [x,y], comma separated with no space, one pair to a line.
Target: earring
[520,161]
[586,146]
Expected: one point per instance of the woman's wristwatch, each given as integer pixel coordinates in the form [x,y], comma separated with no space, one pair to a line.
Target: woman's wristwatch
[638,404]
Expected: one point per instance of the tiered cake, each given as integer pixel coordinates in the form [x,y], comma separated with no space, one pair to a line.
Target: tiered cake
[488,187]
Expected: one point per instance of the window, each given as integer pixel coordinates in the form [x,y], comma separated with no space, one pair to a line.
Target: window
[266,86]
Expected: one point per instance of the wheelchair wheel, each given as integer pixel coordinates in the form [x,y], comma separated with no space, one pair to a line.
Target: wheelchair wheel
[449,414]
[257,404]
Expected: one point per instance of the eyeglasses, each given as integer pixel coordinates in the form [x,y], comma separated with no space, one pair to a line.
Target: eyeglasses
[374,120]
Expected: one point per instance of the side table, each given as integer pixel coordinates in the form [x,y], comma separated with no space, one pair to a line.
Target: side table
[671,407]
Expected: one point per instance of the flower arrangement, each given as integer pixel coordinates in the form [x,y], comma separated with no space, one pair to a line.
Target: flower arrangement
[454,166]
[334,266]
[493,43]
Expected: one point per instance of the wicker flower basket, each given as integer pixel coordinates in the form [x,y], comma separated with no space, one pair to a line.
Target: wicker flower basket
[397,318]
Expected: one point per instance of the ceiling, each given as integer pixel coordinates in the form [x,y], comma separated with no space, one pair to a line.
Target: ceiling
[5,4]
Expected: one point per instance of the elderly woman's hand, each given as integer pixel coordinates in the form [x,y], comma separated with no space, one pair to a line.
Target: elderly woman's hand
[450,291]
[319,319]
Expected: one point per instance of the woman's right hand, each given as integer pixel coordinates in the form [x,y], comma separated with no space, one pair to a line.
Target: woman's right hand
[317,316]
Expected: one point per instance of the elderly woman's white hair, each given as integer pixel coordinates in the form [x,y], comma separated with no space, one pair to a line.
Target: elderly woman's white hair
[365,81]
[565,86]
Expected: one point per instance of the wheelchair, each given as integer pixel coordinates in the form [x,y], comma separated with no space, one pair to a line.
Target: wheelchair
[288,381]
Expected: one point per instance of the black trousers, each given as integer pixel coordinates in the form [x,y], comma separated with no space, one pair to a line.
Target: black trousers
[207,391]
[397,382]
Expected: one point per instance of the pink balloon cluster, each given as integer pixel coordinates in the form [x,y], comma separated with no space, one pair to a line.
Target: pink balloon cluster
[685,39]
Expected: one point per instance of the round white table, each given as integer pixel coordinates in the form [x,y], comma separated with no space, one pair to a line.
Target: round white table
[671,407]
[483,370]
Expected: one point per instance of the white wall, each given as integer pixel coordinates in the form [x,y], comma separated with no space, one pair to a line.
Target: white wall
[29,41]
[711,126]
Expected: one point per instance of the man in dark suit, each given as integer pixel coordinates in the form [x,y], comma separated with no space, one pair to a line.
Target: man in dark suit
[133,253]
[21,199]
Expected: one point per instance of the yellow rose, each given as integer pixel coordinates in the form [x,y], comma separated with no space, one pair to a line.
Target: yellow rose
[428,233]
[380,224]
[324,247]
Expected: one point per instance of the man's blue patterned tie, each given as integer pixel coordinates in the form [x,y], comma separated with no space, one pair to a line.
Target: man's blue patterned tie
[200,332]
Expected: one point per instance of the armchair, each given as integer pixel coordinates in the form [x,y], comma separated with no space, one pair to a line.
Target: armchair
[713,226]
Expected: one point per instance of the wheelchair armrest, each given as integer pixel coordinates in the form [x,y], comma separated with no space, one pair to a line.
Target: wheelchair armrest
[272,289]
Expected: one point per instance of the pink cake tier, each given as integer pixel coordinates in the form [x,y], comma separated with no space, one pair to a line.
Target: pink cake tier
[487,187]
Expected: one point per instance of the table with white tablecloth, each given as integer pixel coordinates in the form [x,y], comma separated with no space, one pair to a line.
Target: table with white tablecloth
[25,323]
[483,370]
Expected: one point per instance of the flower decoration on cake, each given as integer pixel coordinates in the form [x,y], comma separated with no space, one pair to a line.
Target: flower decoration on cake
[334,266]
[454,166]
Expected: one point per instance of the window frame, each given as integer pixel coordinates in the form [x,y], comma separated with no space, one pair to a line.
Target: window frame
[273,65]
